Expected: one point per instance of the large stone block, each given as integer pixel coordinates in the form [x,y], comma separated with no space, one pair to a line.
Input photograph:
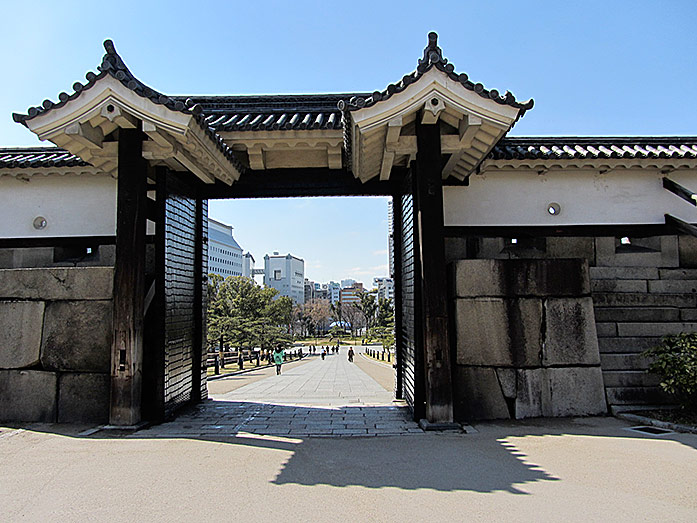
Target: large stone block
[687,247]
[570,334]
[641,299]
[566,277]
[630,378]
[525,331]
[627,314]
[673,286]
[64,283]
[20,333]
[28,395]
[654,329]
[83,397]
[678,274]
[618,286]
[606,330]
[626,345]
[688,315]
[571,247]
[77,336]
[476,278]
[637,396]
[532,393]
[623,362]
[482,333]
[623,273]
[478,394]
[576,391]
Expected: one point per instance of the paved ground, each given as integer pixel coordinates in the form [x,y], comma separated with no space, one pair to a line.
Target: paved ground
[542,470]
[316,397]
[241,460]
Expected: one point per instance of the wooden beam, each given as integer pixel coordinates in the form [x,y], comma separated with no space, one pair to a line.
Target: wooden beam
[129,281]
[87,135]
[680,225]
[469,127]
[435,337]
[680,191]
[394,127]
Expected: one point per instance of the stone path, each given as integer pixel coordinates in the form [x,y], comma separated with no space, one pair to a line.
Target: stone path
[319,398]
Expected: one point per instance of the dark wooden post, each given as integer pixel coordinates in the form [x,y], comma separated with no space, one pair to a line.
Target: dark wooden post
[129,281]
[199,353]
[397,277]
[429,211]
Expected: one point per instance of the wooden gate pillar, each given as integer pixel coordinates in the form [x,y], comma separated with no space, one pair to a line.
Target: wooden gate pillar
[129,281]
[434,311]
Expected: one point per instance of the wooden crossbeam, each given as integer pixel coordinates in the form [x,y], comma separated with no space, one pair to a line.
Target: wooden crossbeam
[680,225]
[680,191]
[469,126]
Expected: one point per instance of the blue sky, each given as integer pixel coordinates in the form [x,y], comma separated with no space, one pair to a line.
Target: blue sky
[593,68]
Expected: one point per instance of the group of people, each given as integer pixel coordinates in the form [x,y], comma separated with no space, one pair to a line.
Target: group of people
[278,354]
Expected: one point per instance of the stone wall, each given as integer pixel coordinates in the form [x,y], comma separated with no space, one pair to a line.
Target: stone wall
[55,344]
[525,339]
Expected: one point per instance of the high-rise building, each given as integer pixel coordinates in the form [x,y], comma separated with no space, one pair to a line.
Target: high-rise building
[224,253]
[347,283]
[286,274]
[385,288]
[349,295]
[333,290]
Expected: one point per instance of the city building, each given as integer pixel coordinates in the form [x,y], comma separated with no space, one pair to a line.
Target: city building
[248,265]
[333,290]
[349,295]
[224,253]
[286,274]
[347,283]
[309,290]
[385,288]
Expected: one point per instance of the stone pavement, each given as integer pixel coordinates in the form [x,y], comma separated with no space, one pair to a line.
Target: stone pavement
[330,397]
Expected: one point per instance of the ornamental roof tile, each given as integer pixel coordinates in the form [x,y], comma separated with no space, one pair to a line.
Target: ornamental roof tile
[36,157]
[433,57]
[113,65]
[596,147]
[271,113]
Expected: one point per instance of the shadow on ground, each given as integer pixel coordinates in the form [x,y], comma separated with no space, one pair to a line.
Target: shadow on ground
[485,461]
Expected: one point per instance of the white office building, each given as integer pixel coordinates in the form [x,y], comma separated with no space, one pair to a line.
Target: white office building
[224,253]
[385,287]
[286,274]
[248,265]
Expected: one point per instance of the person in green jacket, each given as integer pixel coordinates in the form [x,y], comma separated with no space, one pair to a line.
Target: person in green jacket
[278,359]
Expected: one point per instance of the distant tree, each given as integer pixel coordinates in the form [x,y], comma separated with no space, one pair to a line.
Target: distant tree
[367,306]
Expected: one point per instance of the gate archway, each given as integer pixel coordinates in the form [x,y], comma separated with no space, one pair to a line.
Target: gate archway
[170,155]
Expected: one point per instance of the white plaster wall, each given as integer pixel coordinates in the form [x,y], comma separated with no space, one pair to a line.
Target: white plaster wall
[631,196]
[73,205]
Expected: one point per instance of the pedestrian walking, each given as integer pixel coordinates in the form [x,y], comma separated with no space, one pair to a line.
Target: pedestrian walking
[278,359]
[350,354]
[324,352]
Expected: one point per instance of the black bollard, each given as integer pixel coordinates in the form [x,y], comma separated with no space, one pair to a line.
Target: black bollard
[217,365]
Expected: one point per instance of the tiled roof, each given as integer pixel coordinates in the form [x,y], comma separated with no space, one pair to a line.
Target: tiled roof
[510,148]
[113,65]
[590,148]
[433,57]
[35,157]
[271,113]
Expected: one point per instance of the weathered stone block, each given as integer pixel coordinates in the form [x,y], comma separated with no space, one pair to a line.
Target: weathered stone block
[626,345]
[455,249]
[623,273]
[606,330]
[688,314]
[479,394]
[654,329]
[571,247]
[687,247]
[507,381]
[475,278]
[576,391]
[28,395]
[618,286]
[20,333]
[570,334]
[482,332]
[77,336]
[634,299]
[524,328]
[532,393]
[64,283]
[673,286]
[677,274]
[83,397]
[623,362]
[627,314]
[630,378]
[566,277]
[637,396]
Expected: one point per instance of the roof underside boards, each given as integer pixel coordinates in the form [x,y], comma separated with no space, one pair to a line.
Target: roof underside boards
[114,98]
